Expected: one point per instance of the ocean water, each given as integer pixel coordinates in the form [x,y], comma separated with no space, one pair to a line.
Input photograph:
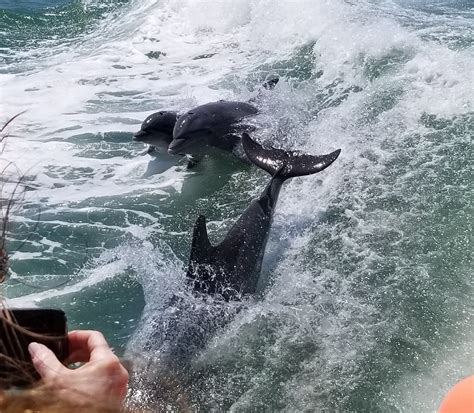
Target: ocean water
[365,300]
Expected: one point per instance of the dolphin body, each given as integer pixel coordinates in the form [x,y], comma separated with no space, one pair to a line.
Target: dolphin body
[225,273]
[215,124]
[219,277]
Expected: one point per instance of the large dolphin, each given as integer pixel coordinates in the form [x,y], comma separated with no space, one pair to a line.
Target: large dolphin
[213,125]
[221,119]
[219,278]
[231,269]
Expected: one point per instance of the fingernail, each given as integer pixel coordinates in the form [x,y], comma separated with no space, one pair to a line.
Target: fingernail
[34,349]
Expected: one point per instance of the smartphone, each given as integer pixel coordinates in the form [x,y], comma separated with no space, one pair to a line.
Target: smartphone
[20,327]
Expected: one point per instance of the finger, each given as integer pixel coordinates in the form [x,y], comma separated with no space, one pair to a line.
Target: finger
[45,362]
[78,351]
[86,345]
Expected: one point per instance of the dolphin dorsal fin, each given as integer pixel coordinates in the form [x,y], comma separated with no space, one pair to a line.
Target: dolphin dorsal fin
[201,245]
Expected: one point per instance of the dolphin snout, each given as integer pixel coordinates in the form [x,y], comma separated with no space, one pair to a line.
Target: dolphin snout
[175,146]
[138,136]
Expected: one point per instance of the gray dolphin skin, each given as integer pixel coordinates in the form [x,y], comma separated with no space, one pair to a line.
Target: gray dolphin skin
[157,130]
[215,124]
[232,268]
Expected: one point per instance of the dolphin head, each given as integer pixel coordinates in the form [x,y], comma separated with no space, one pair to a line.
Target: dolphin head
[191,133]
[157,129]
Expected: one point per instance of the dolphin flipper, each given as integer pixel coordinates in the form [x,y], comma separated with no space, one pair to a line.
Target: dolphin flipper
[193,160]
[151,149]
[296,163]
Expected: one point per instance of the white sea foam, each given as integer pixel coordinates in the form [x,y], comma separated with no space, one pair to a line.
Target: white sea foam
[95,276]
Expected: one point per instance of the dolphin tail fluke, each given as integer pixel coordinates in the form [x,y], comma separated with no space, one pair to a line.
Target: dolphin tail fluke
[287,164]
[200,246]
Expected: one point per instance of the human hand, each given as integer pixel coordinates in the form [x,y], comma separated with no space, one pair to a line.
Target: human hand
[101,379]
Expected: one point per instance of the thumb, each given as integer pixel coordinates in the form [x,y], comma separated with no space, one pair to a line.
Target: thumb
[45,361]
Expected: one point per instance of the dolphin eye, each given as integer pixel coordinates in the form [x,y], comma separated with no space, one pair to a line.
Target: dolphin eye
[190,113]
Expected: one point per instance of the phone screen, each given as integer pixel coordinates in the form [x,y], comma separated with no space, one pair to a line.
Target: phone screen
[20,327]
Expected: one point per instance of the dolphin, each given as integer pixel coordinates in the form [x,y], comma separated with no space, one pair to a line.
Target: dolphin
[219,278]
[231,269]
[214,125]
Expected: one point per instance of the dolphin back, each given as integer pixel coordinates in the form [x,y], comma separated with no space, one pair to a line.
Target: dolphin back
[287,164]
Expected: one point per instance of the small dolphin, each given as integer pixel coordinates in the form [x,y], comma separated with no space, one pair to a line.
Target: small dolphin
[157,130]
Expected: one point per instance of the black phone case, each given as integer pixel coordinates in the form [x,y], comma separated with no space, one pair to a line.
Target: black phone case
[20,327]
